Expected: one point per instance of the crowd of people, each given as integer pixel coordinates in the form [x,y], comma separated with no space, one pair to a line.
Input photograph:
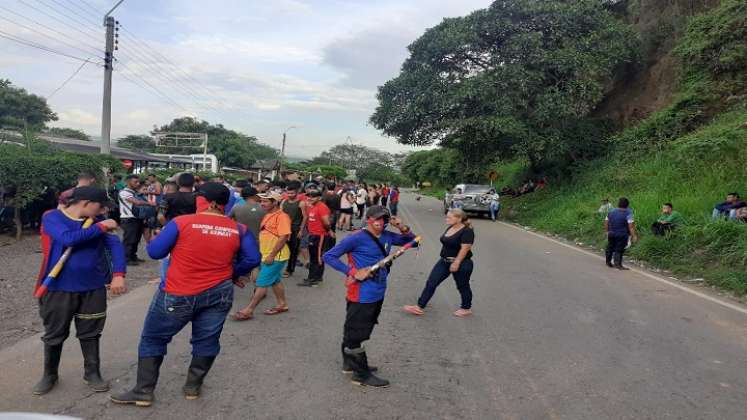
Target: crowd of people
[211,237]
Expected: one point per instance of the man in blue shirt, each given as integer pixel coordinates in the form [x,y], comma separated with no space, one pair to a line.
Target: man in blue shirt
[620,227]
[78,292]
[366,290]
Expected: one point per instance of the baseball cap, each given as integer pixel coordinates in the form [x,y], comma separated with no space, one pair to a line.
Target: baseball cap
[314,193]
[377,212]
[91,193]
[214,191]
[271,195]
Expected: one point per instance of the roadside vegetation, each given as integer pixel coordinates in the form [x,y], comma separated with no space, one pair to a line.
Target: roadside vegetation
[690,152]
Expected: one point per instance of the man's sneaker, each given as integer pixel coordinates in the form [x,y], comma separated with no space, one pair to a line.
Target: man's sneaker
[307,283]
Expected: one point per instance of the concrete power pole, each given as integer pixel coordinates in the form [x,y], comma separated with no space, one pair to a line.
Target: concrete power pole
[106,117]
[106,113]
[282,151]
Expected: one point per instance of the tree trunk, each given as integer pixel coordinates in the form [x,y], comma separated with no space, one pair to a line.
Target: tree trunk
[19,223]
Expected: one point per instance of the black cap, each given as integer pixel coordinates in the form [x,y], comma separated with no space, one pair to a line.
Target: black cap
[377,212]
[214,191]
[314,193]
[91,193]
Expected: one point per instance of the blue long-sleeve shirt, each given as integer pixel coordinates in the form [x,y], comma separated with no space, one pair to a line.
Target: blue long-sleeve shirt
[88,267]
[363,252]
[205,250]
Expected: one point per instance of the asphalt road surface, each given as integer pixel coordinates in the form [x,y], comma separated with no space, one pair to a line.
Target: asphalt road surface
[555,335]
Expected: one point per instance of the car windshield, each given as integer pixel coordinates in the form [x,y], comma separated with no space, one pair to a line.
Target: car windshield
[476,189]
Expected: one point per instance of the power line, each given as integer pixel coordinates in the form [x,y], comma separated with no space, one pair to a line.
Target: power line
[74,19]
[68,79]
[58,19]
[153,88]
[160,56]
[76,13]
[39,46]
[98,12]
[96,51]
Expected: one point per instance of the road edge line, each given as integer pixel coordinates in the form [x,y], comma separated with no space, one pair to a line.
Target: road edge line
[660,279]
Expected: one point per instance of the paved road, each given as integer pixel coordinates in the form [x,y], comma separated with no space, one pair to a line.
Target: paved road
[556,335]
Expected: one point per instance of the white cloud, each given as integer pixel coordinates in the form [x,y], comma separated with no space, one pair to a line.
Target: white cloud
[76,118]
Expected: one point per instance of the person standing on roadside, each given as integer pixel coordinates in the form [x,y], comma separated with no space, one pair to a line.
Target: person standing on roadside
[85,179]
[620,227]
[384,195]
[208,250]
[321,237]
[347,203]
[132,226]
[273,244]
[365,290]
[177,204]
[297,211]
[78,293]
[332,201]
[361,195]
[394,199]
[456,261]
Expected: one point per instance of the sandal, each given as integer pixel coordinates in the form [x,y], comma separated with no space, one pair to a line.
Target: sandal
[286,274]
[414,310]
[241,316]
[276,310]
[461,313]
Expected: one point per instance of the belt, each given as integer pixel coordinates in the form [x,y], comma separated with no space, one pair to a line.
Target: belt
[449,259]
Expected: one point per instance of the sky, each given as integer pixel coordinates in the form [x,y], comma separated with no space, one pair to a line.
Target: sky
[255,66]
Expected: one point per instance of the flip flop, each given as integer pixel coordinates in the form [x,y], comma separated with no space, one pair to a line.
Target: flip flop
[286,274]
[275,311]
[240,316]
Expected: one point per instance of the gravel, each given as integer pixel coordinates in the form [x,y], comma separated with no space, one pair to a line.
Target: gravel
[19,268]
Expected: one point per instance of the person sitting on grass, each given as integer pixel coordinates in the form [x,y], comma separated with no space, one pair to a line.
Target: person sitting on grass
[729,207]
[667,221]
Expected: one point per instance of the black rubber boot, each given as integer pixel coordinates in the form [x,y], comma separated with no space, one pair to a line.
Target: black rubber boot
[361,372]
[91,365]
[348,368]
[52,355]
[147,377]
[199,367]
[618,257]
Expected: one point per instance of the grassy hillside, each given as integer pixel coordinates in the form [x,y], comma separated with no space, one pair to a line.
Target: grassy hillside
[694,172]
[691,152]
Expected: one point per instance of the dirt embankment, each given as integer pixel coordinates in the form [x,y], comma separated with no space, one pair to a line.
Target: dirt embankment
[650,85]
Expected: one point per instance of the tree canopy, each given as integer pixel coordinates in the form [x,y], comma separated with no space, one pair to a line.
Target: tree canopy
[518,78]
[232,148]
[19,108]
[67,132]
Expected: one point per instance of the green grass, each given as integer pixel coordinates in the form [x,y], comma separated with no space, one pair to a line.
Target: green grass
[694,171]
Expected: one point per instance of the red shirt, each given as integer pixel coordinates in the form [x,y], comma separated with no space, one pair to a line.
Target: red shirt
[316,213]
[203,254]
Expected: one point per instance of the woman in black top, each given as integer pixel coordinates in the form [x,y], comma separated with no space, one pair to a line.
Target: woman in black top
[456,260]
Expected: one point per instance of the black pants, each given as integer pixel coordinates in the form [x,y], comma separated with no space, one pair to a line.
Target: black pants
[133,231]
[294,244]
[360,320]
[318,245]
[661,229]
[615,249]
[360,207]
[59,309]
[440,273]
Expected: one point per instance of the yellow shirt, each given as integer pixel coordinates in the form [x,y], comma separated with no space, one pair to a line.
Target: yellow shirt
[273,226]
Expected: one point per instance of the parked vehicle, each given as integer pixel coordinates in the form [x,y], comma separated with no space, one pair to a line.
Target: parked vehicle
[471,198]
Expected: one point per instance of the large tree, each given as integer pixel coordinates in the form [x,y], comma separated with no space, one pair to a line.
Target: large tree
[519,77]
[20,109]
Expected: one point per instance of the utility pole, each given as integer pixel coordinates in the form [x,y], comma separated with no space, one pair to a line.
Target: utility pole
[282,150]
[106,114]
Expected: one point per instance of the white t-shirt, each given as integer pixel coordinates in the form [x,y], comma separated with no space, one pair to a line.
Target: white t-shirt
[361,197]
[125,207]
[344,202]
